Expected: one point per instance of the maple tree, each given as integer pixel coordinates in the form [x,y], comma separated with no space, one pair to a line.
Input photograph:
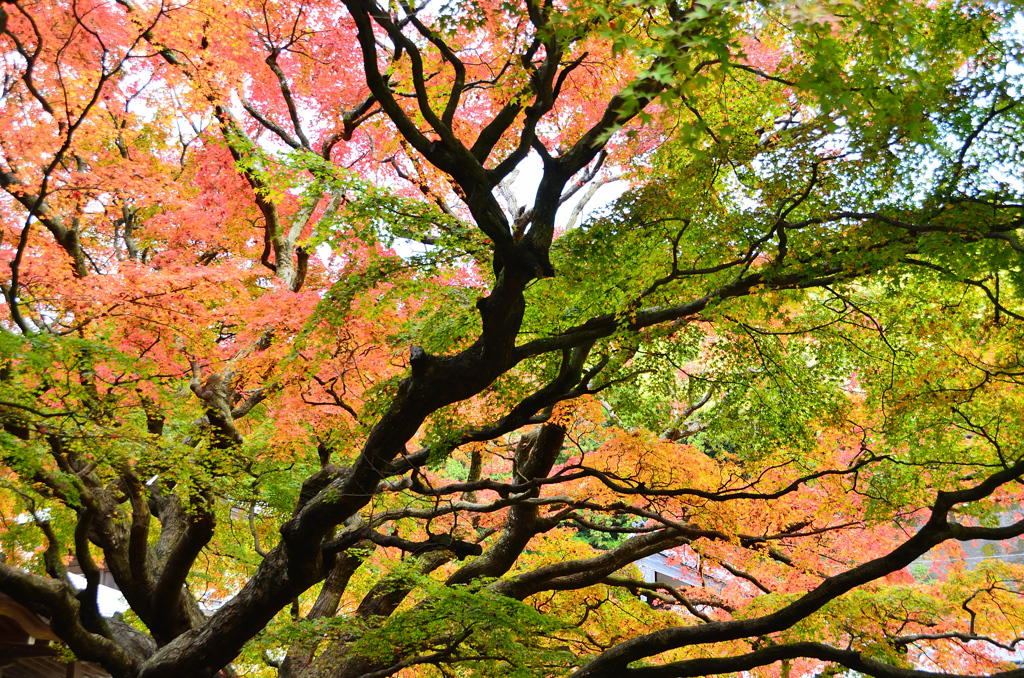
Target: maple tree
[292,351]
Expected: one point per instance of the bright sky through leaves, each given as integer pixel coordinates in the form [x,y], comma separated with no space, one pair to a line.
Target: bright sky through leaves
[299,348]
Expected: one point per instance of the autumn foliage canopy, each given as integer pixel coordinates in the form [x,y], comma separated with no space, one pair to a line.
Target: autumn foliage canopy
[355,339]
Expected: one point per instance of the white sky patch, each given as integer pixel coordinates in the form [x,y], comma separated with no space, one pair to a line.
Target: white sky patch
[110,600]
[523,189]
[527,180]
